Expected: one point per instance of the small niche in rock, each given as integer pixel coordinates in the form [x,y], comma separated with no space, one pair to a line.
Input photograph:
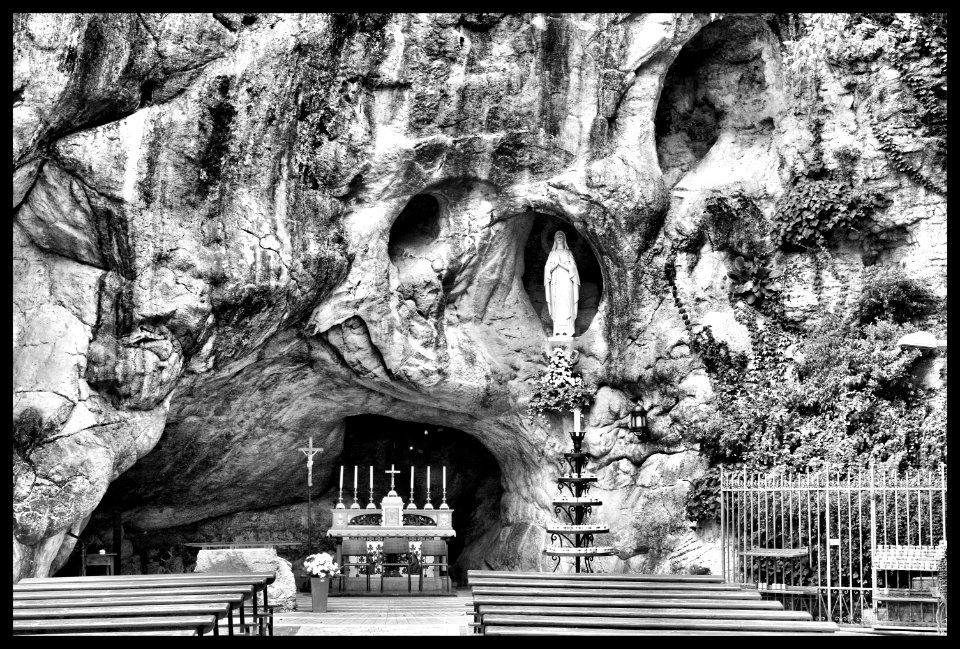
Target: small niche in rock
[416,228]
[535,252]
[474,483]
[717,82]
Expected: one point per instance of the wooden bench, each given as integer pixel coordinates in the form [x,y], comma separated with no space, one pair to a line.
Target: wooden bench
[613,592]
[233,600]
[588,610]
[220,610]
[154,585]
[539,604]
[635,602]
[622,585]
[651,623]
[197,623]
[592,576]
[98,632]
[548,631]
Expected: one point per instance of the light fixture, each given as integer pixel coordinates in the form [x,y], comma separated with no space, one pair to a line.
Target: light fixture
[638,420]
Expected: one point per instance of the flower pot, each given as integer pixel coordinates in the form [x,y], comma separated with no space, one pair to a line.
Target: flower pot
[319,590]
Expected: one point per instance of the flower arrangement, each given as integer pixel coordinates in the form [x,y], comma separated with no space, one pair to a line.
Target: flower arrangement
[321,565]
[558,388]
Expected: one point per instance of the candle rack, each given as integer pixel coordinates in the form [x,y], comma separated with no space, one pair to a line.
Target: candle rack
[575,538]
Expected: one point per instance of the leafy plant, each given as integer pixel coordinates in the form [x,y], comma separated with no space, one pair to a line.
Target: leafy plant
[889,293]
[703,498]
[753,279]
[816,208]
[559,389]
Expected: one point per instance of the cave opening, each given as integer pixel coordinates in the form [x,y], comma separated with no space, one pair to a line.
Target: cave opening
[717,82]
[474,482]
[415,229]
[535,252]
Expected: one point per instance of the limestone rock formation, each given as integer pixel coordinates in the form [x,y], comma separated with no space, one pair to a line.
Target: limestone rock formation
[233,231]
[282,593]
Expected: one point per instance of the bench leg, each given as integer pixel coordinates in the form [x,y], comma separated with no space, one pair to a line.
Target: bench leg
[230,620]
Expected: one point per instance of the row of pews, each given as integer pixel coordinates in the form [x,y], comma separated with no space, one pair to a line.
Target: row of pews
[518,603]
[183,604]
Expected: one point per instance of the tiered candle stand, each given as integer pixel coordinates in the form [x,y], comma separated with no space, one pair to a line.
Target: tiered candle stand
[575,538]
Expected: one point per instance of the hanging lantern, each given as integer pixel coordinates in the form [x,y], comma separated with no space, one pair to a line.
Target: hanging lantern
[638,420]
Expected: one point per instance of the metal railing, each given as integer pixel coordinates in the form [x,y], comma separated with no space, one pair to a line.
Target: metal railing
[809,539]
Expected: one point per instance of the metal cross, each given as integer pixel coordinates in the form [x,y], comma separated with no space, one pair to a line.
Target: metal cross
[391,472]
[310,451]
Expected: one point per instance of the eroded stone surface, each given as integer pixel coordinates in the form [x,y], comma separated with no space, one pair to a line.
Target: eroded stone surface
[282,593]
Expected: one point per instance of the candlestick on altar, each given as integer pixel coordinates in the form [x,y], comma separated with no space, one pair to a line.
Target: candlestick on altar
[411,505]
[356,504]
[429,504]
[370,504]
[443,504]
[340,504]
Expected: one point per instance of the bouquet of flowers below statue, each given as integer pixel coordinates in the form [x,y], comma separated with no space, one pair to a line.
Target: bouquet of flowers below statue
[321,565]
[559,389]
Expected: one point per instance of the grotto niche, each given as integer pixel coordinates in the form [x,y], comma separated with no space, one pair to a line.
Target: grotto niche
[535,252]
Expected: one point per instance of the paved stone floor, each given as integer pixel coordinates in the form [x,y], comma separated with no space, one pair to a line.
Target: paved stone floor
[378,616]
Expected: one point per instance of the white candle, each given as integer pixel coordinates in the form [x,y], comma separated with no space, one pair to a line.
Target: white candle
[341,477]
[444,477]
[371,478]
[576,420]
[354,477]
[428,477]
[411,478]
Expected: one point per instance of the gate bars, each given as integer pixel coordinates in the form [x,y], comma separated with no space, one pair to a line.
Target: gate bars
[809,538]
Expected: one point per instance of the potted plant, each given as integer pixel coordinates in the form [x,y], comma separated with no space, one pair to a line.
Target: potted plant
[321,568]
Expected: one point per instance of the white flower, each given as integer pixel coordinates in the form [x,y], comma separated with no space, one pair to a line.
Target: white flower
[321,565]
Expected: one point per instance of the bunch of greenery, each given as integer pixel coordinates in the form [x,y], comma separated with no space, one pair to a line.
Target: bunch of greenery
[850,401]
[559,389]
[703,498]
[889,293]
[818,206]
[753,279]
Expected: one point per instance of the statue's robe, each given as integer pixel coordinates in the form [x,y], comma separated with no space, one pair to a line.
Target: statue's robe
[562,283]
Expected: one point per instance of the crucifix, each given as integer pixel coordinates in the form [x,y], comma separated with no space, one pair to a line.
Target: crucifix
[392,472]
[309,451]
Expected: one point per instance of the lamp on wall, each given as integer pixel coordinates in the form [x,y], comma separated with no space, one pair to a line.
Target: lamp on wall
[638,420]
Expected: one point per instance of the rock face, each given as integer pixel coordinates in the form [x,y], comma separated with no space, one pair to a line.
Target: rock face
[233,231]
[282,593]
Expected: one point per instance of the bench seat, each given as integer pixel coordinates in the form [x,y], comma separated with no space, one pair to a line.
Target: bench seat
[199,623]
[688,623]
[587,610]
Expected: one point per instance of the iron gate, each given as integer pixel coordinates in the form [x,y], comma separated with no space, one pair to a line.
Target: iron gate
[809,539]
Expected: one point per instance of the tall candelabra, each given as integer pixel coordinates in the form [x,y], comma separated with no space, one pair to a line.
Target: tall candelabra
[575,538]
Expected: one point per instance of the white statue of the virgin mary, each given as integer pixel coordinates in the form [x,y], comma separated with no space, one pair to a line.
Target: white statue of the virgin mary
[562,283]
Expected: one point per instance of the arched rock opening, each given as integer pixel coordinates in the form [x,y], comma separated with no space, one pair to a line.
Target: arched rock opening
[535,252]
[415,228]
[719,81]
[474,483]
